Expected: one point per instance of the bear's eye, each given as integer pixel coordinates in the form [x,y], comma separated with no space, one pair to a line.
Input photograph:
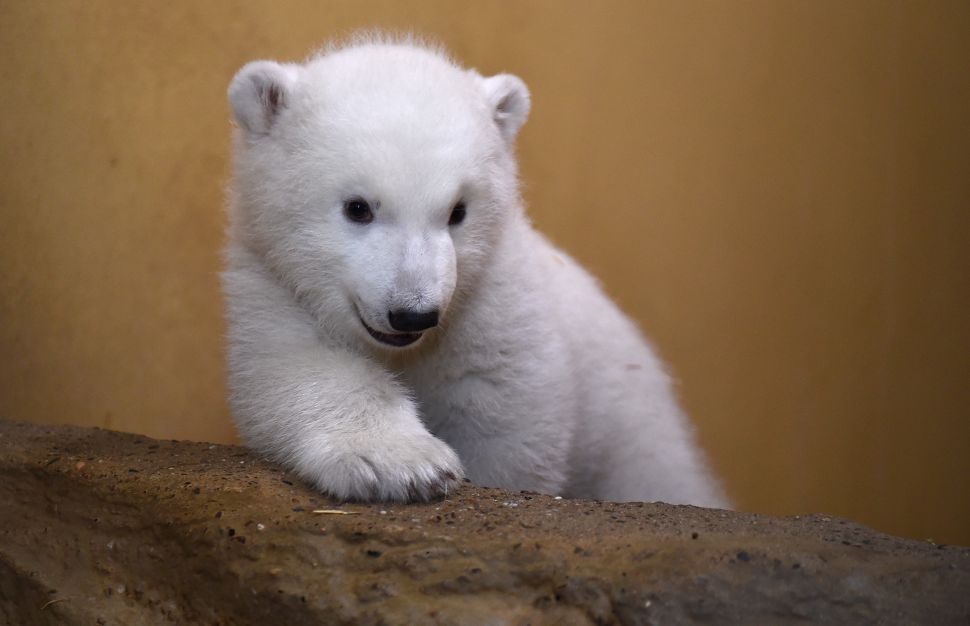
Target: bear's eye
[357,210]
[457,214]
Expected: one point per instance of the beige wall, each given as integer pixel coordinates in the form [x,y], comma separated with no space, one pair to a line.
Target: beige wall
[777,191]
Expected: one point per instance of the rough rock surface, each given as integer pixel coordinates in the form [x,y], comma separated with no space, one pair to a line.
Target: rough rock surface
[98,527]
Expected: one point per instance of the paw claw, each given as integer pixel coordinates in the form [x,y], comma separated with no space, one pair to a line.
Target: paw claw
[423,470]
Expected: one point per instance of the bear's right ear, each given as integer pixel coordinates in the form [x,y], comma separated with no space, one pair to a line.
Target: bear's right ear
[509,99]
[259,91]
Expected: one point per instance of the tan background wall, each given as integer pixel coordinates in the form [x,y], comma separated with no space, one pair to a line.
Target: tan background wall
[777,191]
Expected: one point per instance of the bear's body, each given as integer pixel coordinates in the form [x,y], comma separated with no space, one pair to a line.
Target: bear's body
[390,305]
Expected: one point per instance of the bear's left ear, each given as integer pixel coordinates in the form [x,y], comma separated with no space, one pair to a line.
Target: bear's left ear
[509,99]
[259,93]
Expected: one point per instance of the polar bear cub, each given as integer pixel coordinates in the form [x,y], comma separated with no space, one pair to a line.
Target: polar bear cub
[395,322]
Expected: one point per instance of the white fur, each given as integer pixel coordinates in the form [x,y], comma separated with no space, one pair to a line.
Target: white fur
[532,380]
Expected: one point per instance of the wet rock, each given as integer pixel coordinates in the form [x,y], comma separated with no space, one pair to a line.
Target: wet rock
[164,544]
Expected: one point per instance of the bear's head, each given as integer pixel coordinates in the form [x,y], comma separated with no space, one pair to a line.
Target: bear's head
[375,180]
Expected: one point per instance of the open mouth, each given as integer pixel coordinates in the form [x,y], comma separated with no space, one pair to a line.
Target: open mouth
[398,340]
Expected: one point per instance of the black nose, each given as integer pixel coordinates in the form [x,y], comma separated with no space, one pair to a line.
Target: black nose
[412,322]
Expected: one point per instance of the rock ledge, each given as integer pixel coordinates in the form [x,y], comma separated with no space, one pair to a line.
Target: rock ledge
[99,527]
